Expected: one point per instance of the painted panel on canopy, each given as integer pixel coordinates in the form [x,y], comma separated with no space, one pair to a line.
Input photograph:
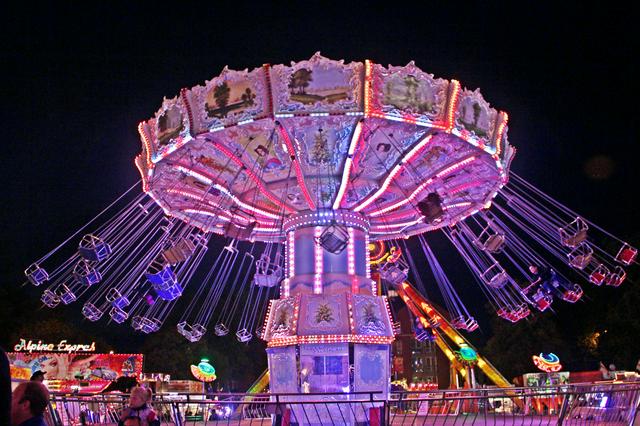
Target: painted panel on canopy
[321,142]
[289,192]
[323,190]
[170,127]
[259,147]
[317,85]
[442,152]
[204,155]
[475,119]
[230,98]
[384,142]
[409,92]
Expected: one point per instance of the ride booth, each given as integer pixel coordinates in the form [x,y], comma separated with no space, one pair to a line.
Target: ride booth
[329,334]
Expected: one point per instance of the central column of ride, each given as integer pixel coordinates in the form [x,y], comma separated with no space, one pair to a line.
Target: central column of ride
[330,331]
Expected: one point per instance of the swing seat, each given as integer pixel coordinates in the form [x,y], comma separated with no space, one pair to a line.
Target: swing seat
[471,324]
[179,251]
[36,275]
[458,323]
[573,295]
[191,333]
[144,324]
[160,274]
[244,335]
[394,272]
[164,281]
[237,231]
[495,276]
[523,311]
[268,274]
[616,278]
[574,233]
[260,333]
[495,243]
[434,321]
[509,314]
[86,273]
[118,315]
[626,255]
[50,299]
[580,256]
[117,299]
[91,312]
[65,294]
[221,329]
[424,335]
[93,248]
[542,300]
[599,275]
[334,238]
[168,292]
[491,239]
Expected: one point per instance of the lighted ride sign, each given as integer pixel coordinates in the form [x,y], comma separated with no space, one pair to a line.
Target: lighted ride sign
[549,363]
[204,371]
[467,355]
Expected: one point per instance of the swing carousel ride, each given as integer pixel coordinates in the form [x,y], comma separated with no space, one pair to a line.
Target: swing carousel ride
[316,175]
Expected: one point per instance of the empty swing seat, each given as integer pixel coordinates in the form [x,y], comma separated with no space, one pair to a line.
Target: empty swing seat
[192,333]
[464,323]
[50,299]
[424,335]
[599,275]
[574,233]
[91,312]
[144,324]
[244,335]
[118,315]
[394,272]
[470,324]
[93,248]
[495,276]
[268,274]
[65,294]
[36,275]
[237,231]
[179,251]
[85,272]
[542,300]
[580,256]
[117,299]
[221,330]
[164,281]
[572,295]
[334,238]
[491,239]
[616,277]
[494,243]
[627,254]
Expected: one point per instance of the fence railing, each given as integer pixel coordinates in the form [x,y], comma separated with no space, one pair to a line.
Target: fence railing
[593,404]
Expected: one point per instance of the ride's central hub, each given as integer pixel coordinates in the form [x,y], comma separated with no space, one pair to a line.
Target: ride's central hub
[330,331]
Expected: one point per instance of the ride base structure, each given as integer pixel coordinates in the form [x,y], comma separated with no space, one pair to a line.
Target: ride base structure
[303,169]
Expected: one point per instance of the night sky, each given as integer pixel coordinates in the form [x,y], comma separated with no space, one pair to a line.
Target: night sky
[78,80]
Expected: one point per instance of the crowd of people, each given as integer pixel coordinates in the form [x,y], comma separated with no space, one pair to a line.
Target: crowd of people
[28,404]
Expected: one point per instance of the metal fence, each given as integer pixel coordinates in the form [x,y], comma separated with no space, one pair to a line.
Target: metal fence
[610,404]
